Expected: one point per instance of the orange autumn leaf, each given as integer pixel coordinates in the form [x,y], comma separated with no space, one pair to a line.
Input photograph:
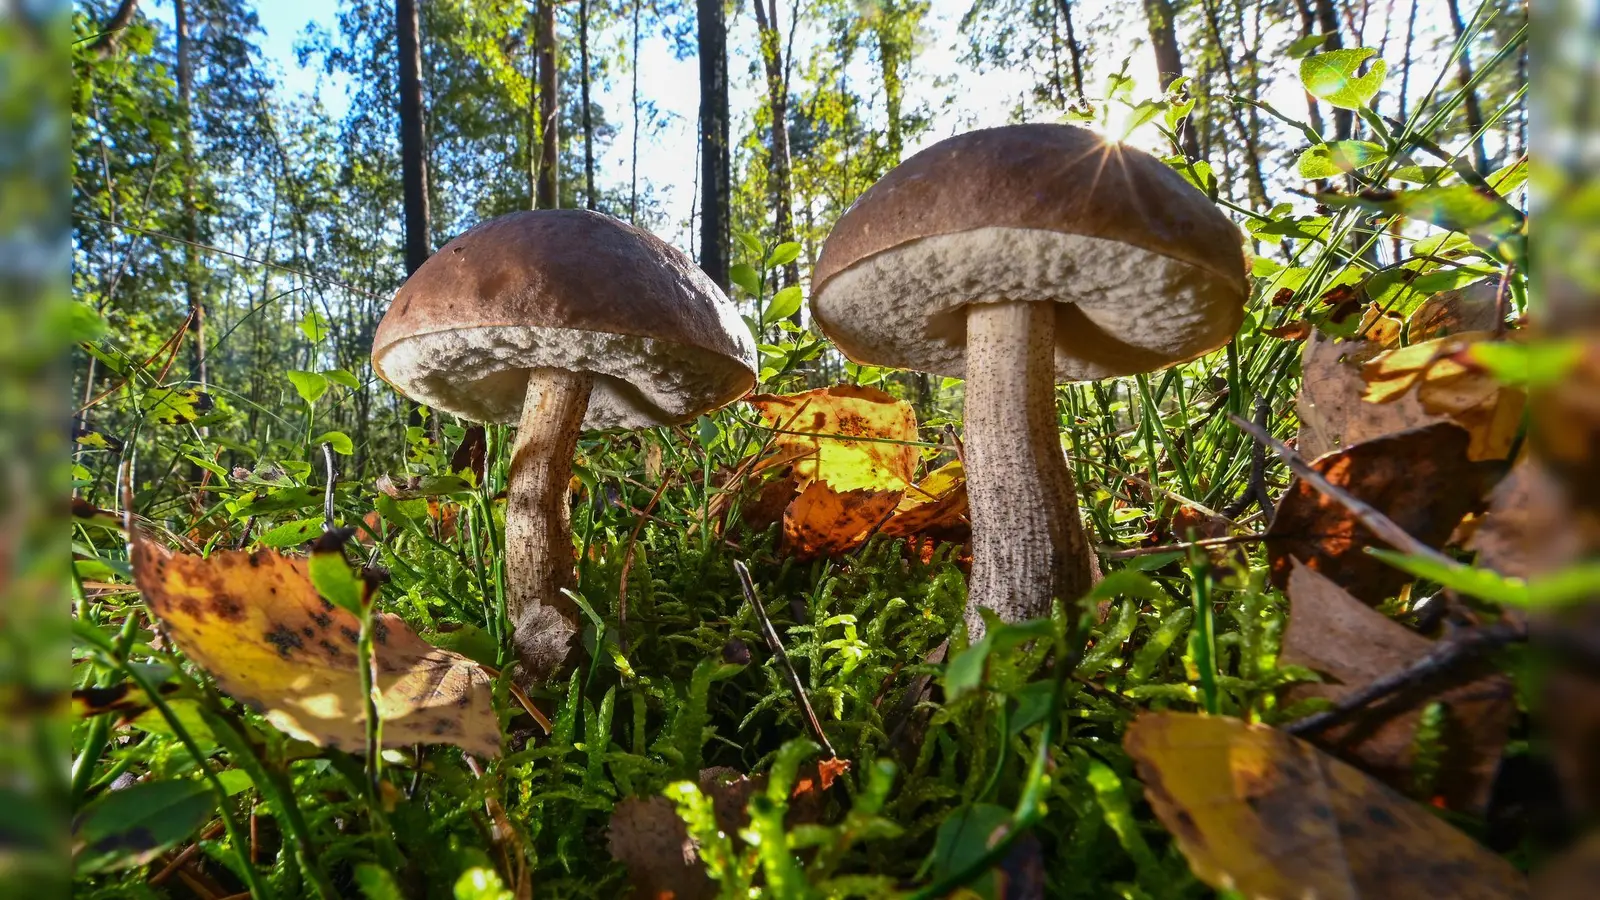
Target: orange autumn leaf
[849,459]
[1447,383]
[1268,816]
[821,521]
[258,626]
[823,430]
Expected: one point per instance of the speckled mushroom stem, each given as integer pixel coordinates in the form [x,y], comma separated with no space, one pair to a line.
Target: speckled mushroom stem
[1028,540]
[539,553]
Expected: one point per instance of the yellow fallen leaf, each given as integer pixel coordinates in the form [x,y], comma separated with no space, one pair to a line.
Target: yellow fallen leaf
[1447,384]
[254,621]
[1262,813]
[821,429]
[936,506]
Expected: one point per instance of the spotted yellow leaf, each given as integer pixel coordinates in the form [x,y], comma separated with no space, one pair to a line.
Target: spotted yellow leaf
[256,624]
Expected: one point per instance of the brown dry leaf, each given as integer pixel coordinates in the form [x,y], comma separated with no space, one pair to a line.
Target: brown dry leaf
[935,507]
[648,838]
[1472,308]
[824,522]
[1271,817]
[1332,412]
[1333,633]
[1528,528]
[1573,875]
[1420,478]
[254,621]
[1447,383]
[848,411]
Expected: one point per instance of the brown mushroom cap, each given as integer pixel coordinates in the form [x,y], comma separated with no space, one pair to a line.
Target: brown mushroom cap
[565,289]
[1144,269]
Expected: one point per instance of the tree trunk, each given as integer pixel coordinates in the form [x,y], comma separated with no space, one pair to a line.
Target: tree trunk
[633,159]
[778,104]
[413,138]
[715,193]
[588,121]
[1480,156]
[1076,53]
[549,193]
[194,291]
[1160,16]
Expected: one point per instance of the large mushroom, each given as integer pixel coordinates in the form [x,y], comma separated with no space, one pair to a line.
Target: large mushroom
[559,320]
[1018,257]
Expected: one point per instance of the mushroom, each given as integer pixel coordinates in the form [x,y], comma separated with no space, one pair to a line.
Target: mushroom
[559,320]
[1018,257]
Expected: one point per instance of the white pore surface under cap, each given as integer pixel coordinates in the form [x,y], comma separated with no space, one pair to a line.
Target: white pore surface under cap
[1126,309]
[481,374]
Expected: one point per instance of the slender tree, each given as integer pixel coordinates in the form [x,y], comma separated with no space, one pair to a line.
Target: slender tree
[715,165]
[548,195]
[633,158]
[1161,18]
[588,118]
[1480,155]
[413,137]
[774,61]
[193,272]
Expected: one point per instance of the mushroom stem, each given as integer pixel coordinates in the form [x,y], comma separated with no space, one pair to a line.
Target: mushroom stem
[1028,540]
[539,553]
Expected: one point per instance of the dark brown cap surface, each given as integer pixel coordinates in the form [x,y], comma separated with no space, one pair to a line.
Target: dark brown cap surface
[564,289]
[1061,215]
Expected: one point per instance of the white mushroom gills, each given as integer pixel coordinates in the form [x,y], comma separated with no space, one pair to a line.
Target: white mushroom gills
[1029,543]
[539,552]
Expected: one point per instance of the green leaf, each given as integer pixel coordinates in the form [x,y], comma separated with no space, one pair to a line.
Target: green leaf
[481,883]
[175,406]
[136,825]
[377,883]
[783,254]
[745,276]
[1456,207]
[1140,115]
[1333,77]
[751,245]
[309,385]
[1118,813]
[1508,178]
[336,580]
[208,465]
[965,672]
[341,442]
[1305,45]
[291,534]
[966,835]
[314,326]
[783,305]
[281,500]
[343,378]
[1339,158]
[1538,364]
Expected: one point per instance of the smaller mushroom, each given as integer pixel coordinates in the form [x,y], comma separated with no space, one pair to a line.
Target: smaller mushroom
[1018,257]
[559,320]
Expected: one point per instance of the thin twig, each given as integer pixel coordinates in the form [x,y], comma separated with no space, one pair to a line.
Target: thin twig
[1375,521]
[782,656]
[1179,548]
[327,500]
[1445,657]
